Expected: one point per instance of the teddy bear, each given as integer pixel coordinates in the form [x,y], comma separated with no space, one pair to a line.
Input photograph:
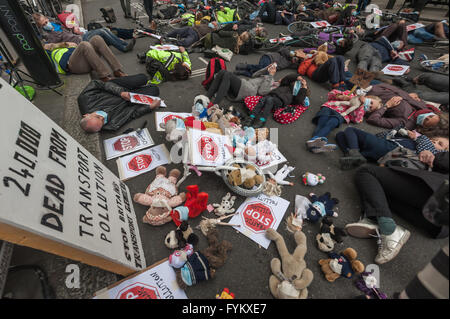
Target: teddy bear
[245,177]
[202,266]
[175,129]
[214,113]
[321,54]
[321,206]
[291,277]
[200,108]
[344,264]
[181,237]
[329,235]
[226,206]
[161,195]
[179,257]
[310,179]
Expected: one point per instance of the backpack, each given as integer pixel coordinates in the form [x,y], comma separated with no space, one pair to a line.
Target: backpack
[215,65]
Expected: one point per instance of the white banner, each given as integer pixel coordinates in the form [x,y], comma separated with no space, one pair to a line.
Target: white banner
[208,149]
[142,162]
[127,143]
[56,193]
[395,69]
[156,282]
[257,214]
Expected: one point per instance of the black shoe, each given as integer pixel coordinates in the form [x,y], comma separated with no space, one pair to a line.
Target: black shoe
[130,45]
[351,160]
[248,122]
[258,123]
[141,57]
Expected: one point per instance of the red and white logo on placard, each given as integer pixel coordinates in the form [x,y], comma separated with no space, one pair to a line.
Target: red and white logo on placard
[140,162]
[208,149]
[395,68]
[258,217]
[138,291]
[143,99]
[125,143]
[170,117]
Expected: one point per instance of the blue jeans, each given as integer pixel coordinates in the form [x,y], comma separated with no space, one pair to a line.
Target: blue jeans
[109,38]
[187,36]
[325,124]
[332,70]
[264,61]
[419,35]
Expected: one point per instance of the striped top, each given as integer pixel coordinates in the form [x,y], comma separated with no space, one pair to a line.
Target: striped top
[432,281]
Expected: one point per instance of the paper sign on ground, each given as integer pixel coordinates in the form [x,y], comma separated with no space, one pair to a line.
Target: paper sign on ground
[163,117]
[281,40]
[414,26]
[155,282]
[127,143]
[395,69]
[257,214]
[58,197]
[320,24]
[145,99]
[208,149]
[165,47]
[142,162]
[277,159]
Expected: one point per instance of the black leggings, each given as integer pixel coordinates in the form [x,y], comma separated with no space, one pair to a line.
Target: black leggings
[383,190]
[148,5]
[266,105]
[224,83]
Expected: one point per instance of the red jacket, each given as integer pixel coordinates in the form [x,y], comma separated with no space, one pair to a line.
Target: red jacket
[307,67]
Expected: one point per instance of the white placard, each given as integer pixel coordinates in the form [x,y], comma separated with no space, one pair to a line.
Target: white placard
[257,214]
[127,143]
[395,69]
[414,26]
[163,117]
[62,198]
[281,40]
[145,99]
[142,162]
[208,149]
[320,24]
[156,282]
[165,47]
[277,159]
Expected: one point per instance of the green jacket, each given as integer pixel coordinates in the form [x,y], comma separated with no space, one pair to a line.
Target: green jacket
[163,57]
[227,16]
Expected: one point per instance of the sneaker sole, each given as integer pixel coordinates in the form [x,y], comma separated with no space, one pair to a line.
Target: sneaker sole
[402,242]
[361,231]
[316,143]
[324,149]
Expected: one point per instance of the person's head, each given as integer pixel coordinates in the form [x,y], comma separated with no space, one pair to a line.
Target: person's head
[40,20]
[181,72]
[371,103]
[415,96]
[301,7]
[431,121]
[260,32]
[92,122]
[432,129]
[440,143]
[300,54]
[213,25]
[245,36]
[343,45]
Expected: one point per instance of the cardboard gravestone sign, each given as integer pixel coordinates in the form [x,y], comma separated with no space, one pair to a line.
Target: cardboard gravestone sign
[57,197]
[362,78]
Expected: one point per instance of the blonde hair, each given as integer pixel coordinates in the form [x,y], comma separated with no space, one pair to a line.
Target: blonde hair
[37,16]
[376,98]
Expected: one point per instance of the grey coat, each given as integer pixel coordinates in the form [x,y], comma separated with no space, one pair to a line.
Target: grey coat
[255,86]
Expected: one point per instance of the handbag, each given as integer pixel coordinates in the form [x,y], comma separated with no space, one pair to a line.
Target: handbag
[402,157]
[225,54]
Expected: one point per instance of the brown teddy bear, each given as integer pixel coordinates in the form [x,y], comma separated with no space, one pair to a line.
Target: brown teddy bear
[344,264]
[321,55]
[290,277]
[245,177]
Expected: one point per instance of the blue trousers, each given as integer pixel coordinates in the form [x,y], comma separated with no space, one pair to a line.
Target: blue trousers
[264,61]
[109,38]
[418,36]
[333,70]
[325,124]
[187,36]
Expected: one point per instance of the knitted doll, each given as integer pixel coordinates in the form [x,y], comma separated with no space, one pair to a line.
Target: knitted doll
[321,206]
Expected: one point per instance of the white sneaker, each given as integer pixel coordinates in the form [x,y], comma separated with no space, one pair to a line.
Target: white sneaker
[365,228]
[389,245]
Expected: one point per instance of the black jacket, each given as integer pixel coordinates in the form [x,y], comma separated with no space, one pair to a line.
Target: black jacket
[101,96]
[285,91]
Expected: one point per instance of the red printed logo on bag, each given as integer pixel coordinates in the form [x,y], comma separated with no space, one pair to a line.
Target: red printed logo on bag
[140,162]
[125,143]
[138,291]
[258,217]
[208,148]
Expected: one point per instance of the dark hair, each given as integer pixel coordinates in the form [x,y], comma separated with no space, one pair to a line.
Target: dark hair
[348,45]
[180,73]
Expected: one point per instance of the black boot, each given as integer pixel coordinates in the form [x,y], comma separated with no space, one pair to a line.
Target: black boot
[248,122]
[352,159]
[258,123]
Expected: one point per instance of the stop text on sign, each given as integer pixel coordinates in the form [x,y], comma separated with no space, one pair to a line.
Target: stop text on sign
[258,217]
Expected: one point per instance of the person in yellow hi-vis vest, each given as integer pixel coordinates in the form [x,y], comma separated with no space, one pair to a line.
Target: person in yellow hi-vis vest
[226,14]
[68,57]
[167,65]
